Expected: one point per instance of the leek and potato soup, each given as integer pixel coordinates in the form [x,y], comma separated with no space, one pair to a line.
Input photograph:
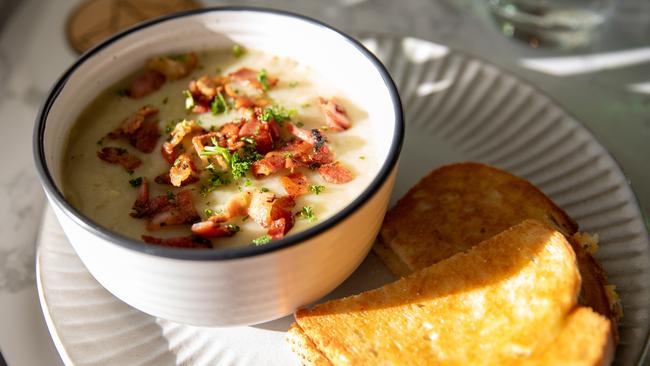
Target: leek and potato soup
[218,148]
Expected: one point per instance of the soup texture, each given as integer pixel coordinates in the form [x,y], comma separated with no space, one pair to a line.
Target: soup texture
[217,148]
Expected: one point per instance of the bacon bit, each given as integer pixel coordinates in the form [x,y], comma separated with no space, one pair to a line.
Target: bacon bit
[178,134]
[182,170]
[273,161]
[272,212]
[335,173]
[206,86]
[249,76]
[140,129]
[211,229]
[238,205]
[335,115]
[141,204]
[261,132]
[164,178]
[145,84]
[118,155]
[179,242]
[170,157]
[174,68]
[146,137]
[199,145]
[179,211]
[133,122]
[295,184]
[201,107]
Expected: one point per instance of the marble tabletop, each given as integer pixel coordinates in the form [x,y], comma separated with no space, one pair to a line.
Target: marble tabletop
[607,87]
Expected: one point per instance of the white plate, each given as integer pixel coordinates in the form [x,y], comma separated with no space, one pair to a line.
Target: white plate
[457,108]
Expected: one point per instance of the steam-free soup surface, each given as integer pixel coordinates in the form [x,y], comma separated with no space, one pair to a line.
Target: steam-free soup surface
[291,103]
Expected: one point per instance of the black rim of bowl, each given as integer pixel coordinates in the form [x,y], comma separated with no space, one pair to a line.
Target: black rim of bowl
[224,253]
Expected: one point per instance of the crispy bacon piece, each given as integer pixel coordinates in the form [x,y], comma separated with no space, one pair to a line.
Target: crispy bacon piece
[335,115]
[146,137]
[273,162]
[141,204]
[206,86]
[140,128]
[179,132]
[250,76]
[335,173]
[238,205]
[211,229]
[295,184]
[179,242]
[145,84]
[133,122]
[179,211]
[174,67]
[181,170]
[118,155]
[272,213]
[264,133]
[164,178]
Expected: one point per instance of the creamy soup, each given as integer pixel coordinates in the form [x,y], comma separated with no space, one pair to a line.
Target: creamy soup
[218,148]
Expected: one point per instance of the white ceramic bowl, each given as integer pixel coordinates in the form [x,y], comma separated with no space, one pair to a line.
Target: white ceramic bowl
[225,287]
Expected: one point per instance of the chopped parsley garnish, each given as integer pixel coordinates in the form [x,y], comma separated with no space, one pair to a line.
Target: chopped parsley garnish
[307,213]
[316,189]
[277,113]
[264,239]
[264,189]
[208,212]
[305,105]
[100,142]
[122,92]
[240,161]
[169,127]
[165,100]
[135,182]
[243,219]
[170,195]
[248,140]
[362,157]
[216,150]
[189,100]
[238,50]
[219,105]
[263,78]
[300,124]
[248,183]
[215,180]
[233,228]
[293,84]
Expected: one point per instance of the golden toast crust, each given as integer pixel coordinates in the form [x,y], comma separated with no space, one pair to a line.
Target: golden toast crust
[500,303]
[460,205]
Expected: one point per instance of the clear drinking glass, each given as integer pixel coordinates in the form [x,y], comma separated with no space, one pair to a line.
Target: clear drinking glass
[553,23]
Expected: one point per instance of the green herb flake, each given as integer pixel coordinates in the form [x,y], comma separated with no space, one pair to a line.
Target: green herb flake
[263,78]
[136,182]
[243,219]
[208,212]
[293,84]
[362,157]
[180,57]
[219,105]
[316,189]
[165,100]
[100,142]
[307,213]
[264,189]
[305,105]
[170,195]
[233,228]
[264,239]
[248,183]
[122,92]
[169,127]
[277,113]
[300,124]
[189,100]
[238,50]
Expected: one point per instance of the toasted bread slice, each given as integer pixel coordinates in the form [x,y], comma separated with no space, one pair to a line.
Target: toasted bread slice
[458,206]
[499,303]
